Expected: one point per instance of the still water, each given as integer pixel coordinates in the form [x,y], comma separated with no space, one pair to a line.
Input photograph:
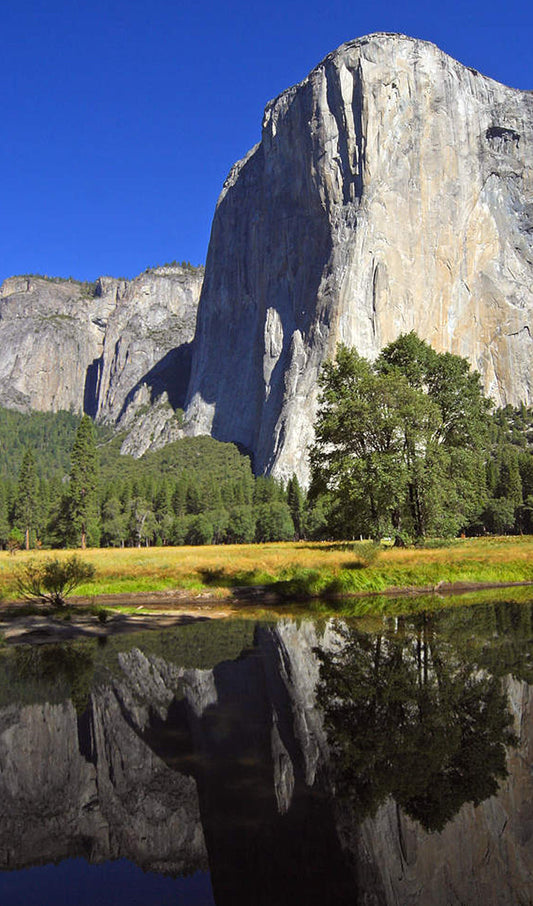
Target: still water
[384,760]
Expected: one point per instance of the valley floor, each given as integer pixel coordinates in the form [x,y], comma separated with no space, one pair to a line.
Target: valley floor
[289,570]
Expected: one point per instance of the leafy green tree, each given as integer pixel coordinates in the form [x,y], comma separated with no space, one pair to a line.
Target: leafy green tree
[201,530]
[525,465]
[219,519]
[317,518]
[510,481]
[142,521]
[296,503]
[194,498]
[59,529]
[266,490]
[274,522]
[400,443]
[4,517]
[15,540]
[499,515]
[83,489]
[509,472]
[180,529]
[163,512]
[53,579]
[241,525]
[114,523]
[179,497]
[27,497]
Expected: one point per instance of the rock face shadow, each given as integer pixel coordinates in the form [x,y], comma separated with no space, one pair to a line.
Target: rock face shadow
[90,391]
[170,375]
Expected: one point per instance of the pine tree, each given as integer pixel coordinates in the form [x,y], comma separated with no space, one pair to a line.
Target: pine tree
[83,492]
[26,499]
[295,499]
[4,520]
[510,484]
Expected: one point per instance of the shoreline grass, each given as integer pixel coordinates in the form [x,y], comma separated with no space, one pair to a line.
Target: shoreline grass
[292,570]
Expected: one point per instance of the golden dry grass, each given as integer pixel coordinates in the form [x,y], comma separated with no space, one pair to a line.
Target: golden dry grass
[307,567]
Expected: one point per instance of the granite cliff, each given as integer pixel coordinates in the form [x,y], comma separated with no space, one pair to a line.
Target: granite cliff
[119,350]
[392,190]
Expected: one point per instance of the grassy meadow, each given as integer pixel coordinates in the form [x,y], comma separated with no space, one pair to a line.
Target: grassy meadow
[292,570]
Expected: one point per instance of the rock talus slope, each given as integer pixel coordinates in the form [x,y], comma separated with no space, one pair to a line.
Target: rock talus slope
[392,190]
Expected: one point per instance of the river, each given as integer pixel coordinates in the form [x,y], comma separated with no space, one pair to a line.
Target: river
[380,760]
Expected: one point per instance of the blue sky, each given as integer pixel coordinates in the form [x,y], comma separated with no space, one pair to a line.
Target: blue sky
[121,118]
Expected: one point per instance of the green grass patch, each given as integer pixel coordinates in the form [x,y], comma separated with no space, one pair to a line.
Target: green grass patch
[295,570]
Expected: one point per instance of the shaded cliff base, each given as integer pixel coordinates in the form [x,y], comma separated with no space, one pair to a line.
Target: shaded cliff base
[107,615]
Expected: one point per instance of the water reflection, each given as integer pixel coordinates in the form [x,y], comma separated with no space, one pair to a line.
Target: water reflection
[410,717]
[318,762]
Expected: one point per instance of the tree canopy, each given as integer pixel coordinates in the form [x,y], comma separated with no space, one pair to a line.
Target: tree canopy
[400,443]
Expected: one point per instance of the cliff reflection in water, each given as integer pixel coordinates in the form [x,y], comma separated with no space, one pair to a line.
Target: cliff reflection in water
[385,761]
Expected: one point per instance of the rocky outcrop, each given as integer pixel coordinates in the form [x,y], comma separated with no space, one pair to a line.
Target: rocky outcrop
[392,190]
[120,350]
[88,785]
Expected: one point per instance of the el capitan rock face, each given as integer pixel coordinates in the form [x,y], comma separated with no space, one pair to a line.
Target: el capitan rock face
[392,190]
[110,353]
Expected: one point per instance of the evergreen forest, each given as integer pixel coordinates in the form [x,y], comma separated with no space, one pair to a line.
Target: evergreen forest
[64,483]
[405,447]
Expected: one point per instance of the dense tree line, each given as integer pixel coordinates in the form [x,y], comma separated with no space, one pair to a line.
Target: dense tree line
[194,491]
[406,446]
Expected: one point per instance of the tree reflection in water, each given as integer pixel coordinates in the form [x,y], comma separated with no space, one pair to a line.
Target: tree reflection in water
[409,715]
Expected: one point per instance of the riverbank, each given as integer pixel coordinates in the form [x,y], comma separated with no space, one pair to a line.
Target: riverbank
[109,615]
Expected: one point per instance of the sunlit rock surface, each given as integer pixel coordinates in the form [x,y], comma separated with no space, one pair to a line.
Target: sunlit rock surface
[392,190]
[121,353]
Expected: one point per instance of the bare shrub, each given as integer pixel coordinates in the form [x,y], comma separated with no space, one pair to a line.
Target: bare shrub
[53,579]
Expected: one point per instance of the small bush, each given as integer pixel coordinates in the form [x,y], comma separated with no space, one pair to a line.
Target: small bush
[15,541]
[367,552]
[53,579]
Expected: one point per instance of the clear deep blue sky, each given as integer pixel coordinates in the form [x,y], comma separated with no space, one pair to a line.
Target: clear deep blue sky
[121,118]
